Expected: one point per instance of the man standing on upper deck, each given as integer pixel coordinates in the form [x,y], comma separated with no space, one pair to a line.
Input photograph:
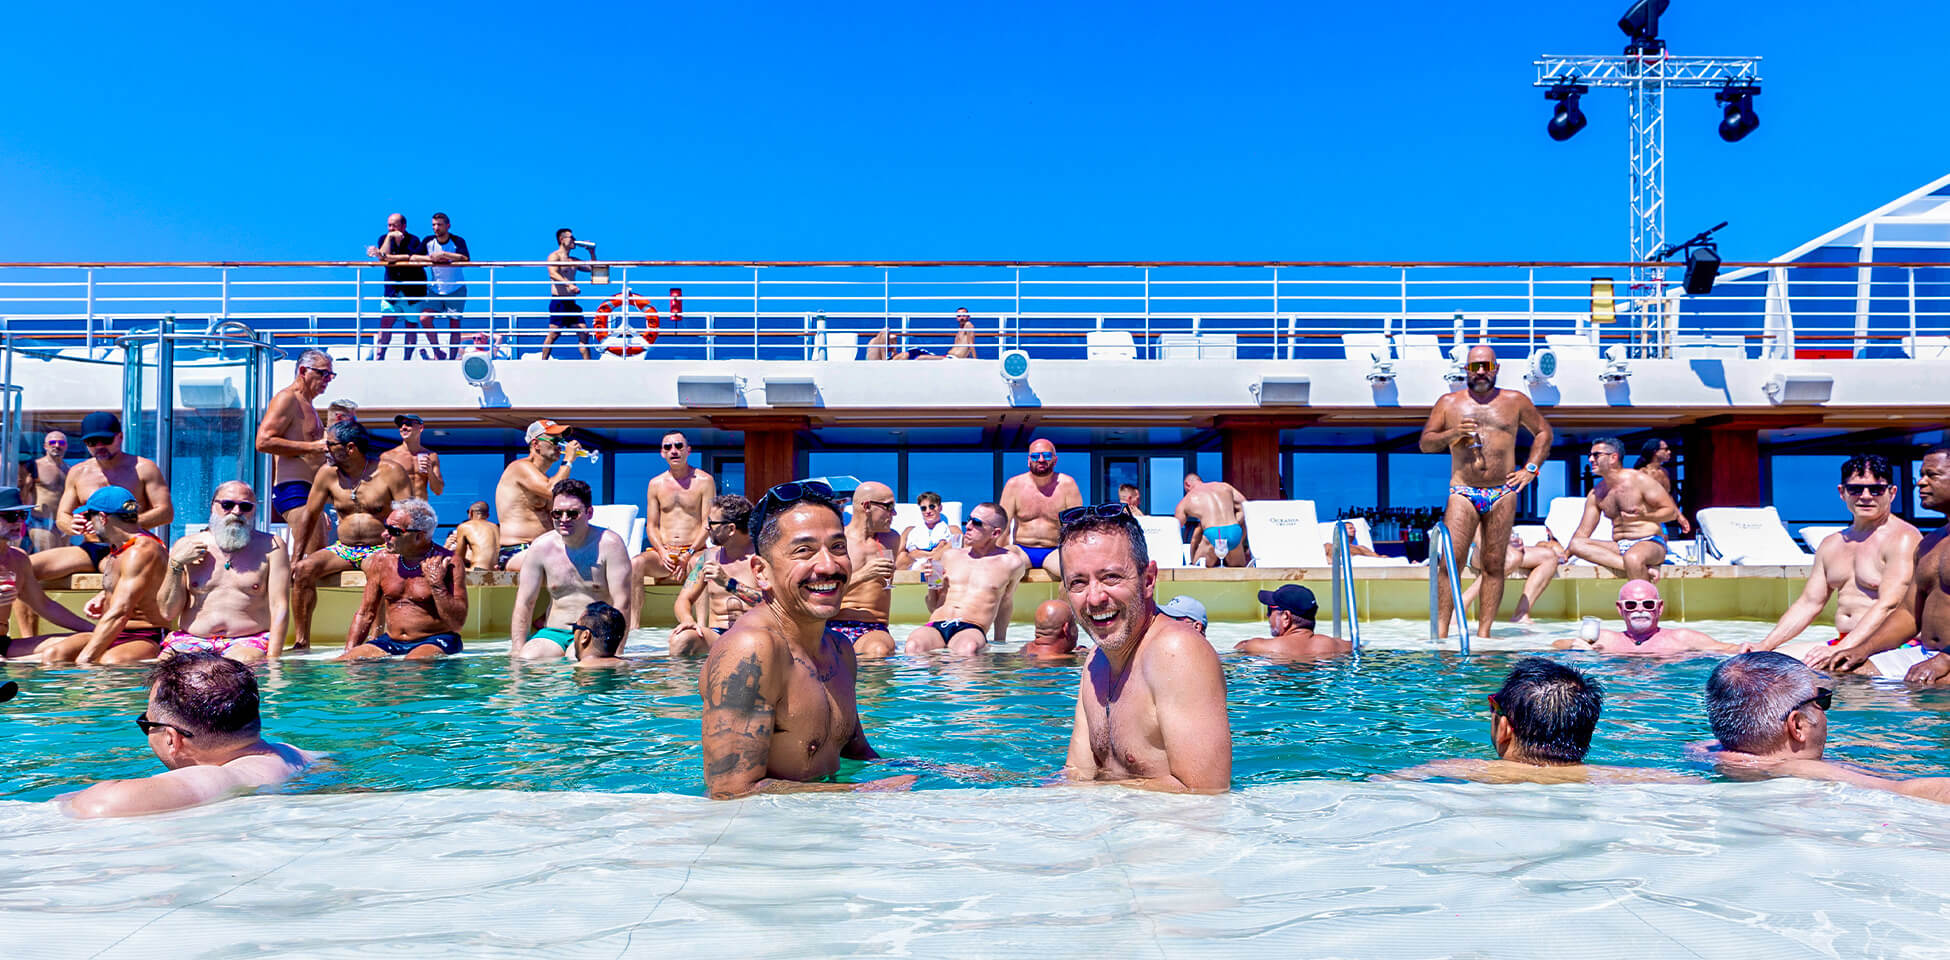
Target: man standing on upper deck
[563,310]
[1866,568]
[421,466]
[406,281]
[871,545]
[1921,624]
[1638,509]
[50,479]
[522,494]
[1151,707]
[778,689]
[1216,513]
[1035,499]
[107,466]
[447,284]
[1478,427]
[578,564]
[676,502]
[292,432]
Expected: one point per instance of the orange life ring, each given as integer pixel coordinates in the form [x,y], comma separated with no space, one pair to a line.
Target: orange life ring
[641,305]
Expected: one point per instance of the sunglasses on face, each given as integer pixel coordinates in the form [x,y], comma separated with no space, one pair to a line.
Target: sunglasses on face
[58,444]
[1872,489]
[148,726]
[882,504]
[393,531]
[1823,698]
[1481,366]
[1630,605]
[97,442]
[1115,510]
[1041,457]
[675,446]
[1496,709]
[325,375]
[236,506]
[565,514]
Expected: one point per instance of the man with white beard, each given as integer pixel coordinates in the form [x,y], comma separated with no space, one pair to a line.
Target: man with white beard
[228,587]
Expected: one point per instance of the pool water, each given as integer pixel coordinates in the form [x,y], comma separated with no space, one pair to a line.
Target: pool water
[474,808]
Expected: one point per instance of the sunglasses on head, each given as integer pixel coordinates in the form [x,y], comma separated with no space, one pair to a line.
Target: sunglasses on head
[1496,709]
[236,506]
[789,493]
[148,726]
[1115,510]
[1872,489]
[1638,604]
[565,514]
[1823,699]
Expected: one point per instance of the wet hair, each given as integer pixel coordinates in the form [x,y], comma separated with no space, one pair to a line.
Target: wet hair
[1552,709]
[478,506]
[207,694]
[351,432]
[737,510]
[764,527]
[1122,523]
[1749,696]
[573,488]
[605,626]
[1617,446]
[1873,464]
[1648,453]
[421,511]
[928,497]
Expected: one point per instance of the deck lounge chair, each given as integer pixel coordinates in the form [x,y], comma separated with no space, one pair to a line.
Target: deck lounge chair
[1813,535]
[1748,536]
[1284,533]
[1562,520]
[1164,540]
[622,518]
[1363,536]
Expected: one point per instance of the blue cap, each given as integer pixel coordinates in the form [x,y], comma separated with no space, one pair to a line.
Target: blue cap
[111,500]
[1184,608]
[10,501]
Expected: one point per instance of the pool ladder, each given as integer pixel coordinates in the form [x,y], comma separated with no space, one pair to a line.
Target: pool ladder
[1442,564]
[1344,589]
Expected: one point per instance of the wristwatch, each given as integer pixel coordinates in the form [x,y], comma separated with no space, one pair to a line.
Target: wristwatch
[1530,467]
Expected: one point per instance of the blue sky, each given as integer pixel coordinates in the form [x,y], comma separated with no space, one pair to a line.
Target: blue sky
[1391,130]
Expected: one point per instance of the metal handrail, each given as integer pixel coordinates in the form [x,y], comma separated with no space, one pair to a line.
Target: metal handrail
[1344,592]
[1442,563]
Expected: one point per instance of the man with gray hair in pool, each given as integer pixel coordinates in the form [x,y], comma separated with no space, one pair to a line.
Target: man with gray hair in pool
[202,721]
[1771,718]
[420,586]
[1151,706]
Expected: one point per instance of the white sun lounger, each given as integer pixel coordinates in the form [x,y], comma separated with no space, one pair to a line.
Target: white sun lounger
[1533,534]
[1563,517]
[1813,535]
[1748,536]
[622,518]
[1363,536]
[1284,533]
[1164,540]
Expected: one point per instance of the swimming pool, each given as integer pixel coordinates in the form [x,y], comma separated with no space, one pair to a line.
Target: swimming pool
[478,809]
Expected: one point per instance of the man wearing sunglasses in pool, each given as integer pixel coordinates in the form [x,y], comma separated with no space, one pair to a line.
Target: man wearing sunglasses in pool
[1035,499]
[1867,568]
[107,465]
[1640,605]
[203,723]
[979,581]
[362,489]
[778,689]
[229,586]
[130,620]
[720,578]
[577,564]
[1151,706]
[1771,720]
[422,590]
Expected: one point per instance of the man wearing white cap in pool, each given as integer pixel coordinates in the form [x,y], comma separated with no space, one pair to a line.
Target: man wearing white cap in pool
[1151,707]
[1640,605]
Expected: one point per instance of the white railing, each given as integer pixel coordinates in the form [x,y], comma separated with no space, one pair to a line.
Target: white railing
[799,311]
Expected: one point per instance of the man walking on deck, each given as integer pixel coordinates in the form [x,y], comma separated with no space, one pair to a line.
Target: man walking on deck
[676,502]
[1035,499]
[107,466]
[563,310]
[1216,513]
[1638,509]
[1866,568]
[421,466]
[577,564]
[871,546]
[292,432]
[522,494]
[1478,427]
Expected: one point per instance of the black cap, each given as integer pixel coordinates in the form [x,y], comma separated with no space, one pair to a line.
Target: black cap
[406,418]
[100,425]
[10,501]
[1293,598]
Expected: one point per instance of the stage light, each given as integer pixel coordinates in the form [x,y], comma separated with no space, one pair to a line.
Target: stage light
[1641,22]
[1617,367]
[1739,118]
[1567,119]
[1702,265]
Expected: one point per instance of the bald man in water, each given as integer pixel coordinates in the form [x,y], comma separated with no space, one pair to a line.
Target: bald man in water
[1035,499]
[871,543]
[1640,605]
[1056,633]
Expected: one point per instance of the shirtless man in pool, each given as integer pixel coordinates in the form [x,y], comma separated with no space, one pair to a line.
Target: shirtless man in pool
[721,577]
[1640,605]
[871,545]
[228,586]
[1478,427]
[1866,568]
[421,588]
[132,622]
[1218,512]
[292,432]
[363,490]
[1919,632]
[980,579]
[1035,499]
[1638,509]
[675,504]
[578,564]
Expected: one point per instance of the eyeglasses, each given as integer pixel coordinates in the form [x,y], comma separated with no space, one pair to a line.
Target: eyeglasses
[1630,605]
[787,494]
[393,531]
[1041,457]
[148,726]
[1823,698]
[1872,489]
[565,514]
[1115,510]
[236,506]
[322,373]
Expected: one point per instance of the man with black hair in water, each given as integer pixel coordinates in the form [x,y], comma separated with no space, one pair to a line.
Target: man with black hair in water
[599,636]
[203,723]
[778,689]
[720,579]
[131,621]
[577,564]
[421,587]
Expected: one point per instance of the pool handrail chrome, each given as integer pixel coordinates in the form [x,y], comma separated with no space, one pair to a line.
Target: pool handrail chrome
[1344,591]
[1442,564]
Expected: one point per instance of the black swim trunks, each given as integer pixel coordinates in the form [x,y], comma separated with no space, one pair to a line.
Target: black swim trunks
[948,628]
[447,642]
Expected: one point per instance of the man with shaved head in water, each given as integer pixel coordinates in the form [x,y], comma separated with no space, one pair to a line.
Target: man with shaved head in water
[1478,427]
[1056,633]
[1640,605]
[872,544]
[1035,499]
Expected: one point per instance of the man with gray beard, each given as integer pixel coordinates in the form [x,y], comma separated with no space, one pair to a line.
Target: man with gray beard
[229,587]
